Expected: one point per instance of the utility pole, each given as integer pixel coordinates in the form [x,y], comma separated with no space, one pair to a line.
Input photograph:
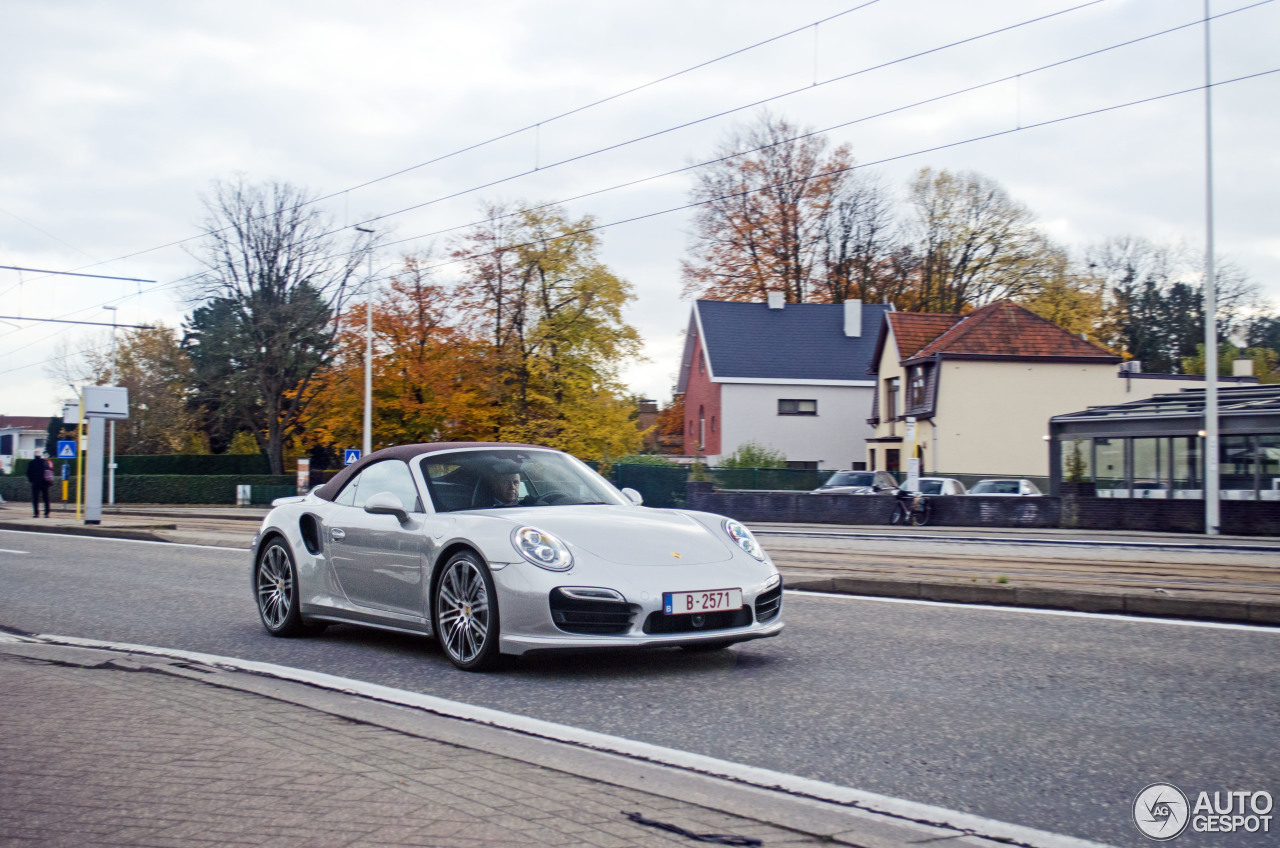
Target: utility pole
[1212,477]
[367,442]
[111,381]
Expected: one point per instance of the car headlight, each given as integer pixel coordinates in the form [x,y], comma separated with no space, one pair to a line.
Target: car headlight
[742,537]
[542,549]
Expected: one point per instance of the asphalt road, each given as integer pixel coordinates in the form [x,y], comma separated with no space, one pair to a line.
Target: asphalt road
[1050,721]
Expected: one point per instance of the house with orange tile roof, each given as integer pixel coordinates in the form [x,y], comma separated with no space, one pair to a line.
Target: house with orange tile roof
[973,394]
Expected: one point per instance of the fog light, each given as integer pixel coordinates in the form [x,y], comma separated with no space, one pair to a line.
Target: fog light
[698,621]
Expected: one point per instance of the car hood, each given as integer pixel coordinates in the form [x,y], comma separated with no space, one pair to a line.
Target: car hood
[627,535]
[843,490]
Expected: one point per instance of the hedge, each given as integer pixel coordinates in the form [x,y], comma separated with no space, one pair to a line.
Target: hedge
[168,488]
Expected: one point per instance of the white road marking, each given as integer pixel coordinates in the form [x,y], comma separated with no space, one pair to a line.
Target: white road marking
[761,778]
[1109,616]
[130,541]
[8,551]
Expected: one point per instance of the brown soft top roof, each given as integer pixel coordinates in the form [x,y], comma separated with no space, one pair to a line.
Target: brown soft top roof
[404,453]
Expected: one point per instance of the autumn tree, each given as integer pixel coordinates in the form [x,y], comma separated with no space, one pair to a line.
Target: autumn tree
[551,316]
[428,379]
[273,281]
[780,212]
[975,244]
[1072,299]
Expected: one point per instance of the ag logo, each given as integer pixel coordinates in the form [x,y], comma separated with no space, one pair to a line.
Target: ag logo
[1161,811]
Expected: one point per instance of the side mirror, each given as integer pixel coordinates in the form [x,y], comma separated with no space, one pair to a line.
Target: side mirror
[632,495]
[387,503]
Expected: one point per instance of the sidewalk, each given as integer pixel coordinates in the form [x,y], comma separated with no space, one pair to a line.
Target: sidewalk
[1235,579]
[115,748]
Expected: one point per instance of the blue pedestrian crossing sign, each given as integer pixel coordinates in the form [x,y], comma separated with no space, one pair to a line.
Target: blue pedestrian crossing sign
[350,456]
[67,449]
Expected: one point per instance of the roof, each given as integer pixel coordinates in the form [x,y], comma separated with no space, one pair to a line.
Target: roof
[1000,330]
[914,330]
[24,422]
[1006,329]
[330,490]
[801,341]
[1242,409]
[1189,402]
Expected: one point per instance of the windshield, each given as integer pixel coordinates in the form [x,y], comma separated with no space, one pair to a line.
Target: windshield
[496,478]
[930,487]
[850,478]
[995,487]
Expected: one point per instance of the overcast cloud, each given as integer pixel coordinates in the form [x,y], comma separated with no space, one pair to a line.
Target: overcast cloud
[119,115]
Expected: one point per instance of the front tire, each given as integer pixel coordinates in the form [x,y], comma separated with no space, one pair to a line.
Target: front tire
[920,517]
[275,583]
[466,613]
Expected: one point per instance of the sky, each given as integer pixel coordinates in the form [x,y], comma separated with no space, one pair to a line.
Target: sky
[120,116]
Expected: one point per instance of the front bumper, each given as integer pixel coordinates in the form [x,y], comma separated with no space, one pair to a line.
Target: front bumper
[535,616]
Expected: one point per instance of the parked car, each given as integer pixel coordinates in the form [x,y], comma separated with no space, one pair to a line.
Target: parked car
[503,549]
[857,483]
[1012,487]
[941,486]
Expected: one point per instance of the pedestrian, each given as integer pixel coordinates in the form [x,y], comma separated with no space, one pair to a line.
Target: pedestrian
[40,475]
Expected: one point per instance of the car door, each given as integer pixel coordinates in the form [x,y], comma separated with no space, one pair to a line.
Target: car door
[379,561]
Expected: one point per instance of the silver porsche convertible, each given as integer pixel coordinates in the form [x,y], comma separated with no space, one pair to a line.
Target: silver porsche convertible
[505,549]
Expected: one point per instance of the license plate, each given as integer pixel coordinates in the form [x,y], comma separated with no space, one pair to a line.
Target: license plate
[712,600]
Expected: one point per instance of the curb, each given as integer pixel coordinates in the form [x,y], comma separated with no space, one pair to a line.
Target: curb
[91,530]
[1171,544]
[1116,603]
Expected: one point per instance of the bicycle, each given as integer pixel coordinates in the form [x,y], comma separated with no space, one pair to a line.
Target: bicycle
[911,508]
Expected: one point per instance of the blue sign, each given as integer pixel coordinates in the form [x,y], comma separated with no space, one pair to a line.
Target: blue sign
[67,449]
[350,456]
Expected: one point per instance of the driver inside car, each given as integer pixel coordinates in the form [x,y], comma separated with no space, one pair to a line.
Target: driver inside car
[504,482]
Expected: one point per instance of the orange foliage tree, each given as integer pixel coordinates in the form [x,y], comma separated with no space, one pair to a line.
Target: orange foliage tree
[428,373]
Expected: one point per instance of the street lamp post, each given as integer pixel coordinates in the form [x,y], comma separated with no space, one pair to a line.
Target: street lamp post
[111,379]
[1212,473]
[367,442]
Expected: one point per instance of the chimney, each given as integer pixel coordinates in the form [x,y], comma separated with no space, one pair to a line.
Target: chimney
[776,300]
[853,318]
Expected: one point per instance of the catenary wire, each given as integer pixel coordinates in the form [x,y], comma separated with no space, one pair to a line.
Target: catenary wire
[511,133]
[833,172]
[966,40]
[838,126]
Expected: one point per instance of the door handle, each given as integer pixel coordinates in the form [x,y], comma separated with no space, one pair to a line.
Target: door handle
[338,534]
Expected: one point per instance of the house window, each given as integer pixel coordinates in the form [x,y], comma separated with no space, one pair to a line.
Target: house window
[891,399]
[713,423]
[892,461]
[797,407]
[915,392]
[702,427]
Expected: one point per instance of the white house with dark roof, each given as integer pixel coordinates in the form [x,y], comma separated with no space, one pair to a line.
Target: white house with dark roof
[21,436]
[790,376]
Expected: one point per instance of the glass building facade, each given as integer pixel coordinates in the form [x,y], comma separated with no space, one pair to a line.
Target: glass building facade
[1155,448]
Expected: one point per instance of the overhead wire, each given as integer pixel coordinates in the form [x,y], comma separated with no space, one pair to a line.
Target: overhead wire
[649,136]
[832,172]
[473,189]
[511,133]
[828,129]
